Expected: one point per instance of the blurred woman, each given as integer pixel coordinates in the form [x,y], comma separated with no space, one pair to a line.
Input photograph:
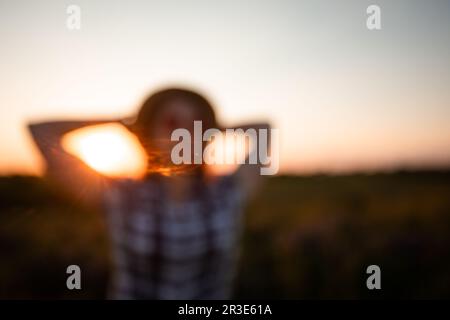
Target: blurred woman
[174,233]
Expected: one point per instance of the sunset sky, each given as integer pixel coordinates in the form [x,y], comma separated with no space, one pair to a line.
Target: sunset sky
[343,97]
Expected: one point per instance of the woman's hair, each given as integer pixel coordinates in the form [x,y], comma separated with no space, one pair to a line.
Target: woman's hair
[151,108]
[153,105]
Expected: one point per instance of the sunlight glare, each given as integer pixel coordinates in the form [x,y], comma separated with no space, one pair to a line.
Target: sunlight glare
[229,151]
[109,149]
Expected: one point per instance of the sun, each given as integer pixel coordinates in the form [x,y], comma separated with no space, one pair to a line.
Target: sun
[109,149]
[230,150]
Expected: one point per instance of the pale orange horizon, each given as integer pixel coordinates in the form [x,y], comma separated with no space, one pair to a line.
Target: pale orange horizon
[343,98]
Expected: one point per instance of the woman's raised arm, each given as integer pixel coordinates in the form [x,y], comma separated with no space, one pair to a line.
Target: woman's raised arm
[248,174]
[69,172]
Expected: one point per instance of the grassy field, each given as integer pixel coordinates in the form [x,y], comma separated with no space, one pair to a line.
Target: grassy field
[305,237]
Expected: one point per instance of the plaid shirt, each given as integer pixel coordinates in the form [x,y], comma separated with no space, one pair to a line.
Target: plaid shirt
[173,250]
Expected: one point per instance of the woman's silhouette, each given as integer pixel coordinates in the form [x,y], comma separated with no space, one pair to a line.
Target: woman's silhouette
[174,236]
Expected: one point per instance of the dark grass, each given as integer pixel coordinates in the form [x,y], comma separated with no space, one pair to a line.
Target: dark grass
[305,237]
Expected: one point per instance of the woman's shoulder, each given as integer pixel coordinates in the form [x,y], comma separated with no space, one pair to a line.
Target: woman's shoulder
[132,187]
[227,184]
